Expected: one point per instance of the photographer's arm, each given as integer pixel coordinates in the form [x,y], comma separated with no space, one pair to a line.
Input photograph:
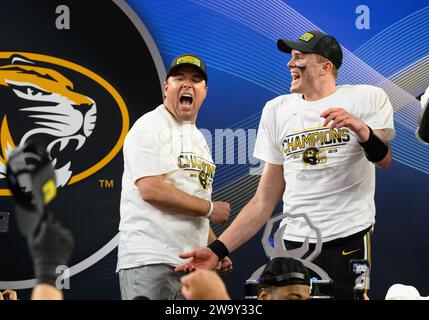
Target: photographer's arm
[51,246]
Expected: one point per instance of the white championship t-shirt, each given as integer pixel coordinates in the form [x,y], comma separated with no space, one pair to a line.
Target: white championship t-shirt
[157,144]
[326,172]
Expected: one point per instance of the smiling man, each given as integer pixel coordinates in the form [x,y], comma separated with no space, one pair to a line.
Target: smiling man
[166,188]
[320,144]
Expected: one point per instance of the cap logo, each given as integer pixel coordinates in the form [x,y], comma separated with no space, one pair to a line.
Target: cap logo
[306,37]
[189,59]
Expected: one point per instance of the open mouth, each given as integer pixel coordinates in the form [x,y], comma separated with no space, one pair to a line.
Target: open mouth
[295,76]
[186,99]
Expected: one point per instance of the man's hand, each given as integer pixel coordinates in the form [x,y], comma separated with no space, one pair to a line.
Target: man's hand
[341,118]
[203,285]
[8,295]
[224,267]
[221,211]
[201,258]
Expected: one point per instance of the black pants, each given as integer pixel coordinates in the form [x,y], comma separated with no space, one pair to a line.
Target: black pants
[335,260]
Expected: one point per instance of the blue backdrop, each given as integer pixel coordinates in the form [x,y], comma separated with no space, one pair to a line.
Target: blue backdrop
[238,41]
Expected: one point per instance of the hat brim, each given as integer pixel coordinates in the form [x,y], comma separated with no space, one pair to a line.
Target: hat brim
[288,45]
[183,65]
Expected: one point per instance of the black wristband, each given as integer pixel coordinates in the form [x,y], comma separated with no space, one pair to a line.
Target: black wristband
[219,249]
[375,148]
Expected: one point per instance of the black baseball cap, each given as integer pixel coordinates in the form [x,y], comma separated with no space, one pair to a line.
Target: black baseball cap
[188,60]
[317,42]
[282,271]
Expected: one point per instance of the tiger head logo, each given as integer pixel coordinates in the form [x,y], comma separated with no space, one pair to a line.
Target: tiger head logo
[55,112]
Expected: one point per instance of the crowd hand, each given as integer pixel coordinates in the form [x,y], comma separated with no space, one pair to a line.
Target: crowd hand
[50,247]
[224,267]
[203,285]
[8,295]
[221,211]
[201,258]
[341,118]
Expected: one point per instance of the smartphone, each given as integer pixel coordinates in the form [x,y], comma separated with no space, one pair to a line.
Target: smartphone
[4,221]
[359,266]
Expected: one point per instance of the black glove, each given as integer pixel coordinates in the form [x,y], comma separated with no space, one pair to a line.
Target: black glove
[50,247]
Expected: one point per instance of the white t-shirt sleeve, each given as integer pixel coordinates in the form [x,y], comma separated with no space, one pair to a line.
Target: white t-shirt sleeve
[425,97]
[146,155]
[424,100]
[266,148]
[381,114]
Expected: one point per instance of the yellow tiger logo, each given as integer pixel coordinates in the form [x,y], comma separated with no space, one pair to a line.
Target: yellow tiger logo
[58,112]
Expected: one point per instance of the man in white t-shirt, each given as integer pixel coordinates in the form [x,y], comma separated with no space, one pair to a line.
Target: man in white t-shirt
[321,144]
[166,188]
[422,132]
